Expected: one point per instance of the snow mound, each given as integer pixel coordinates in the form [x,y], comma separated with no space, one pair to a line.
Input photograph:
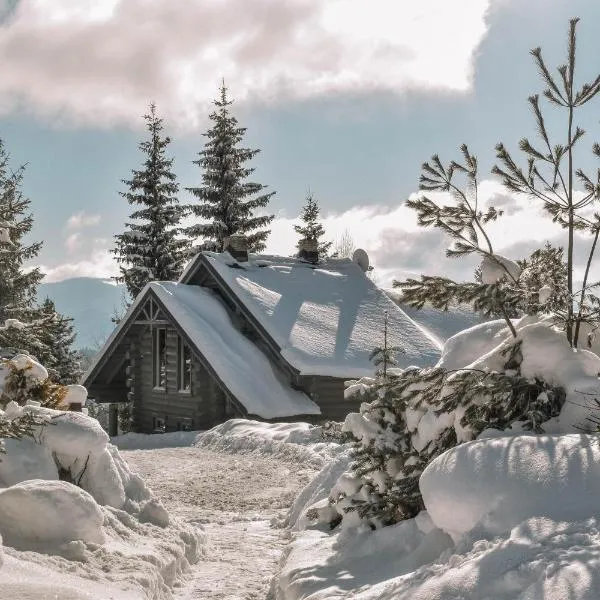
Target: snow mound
[100,523]
[286,441]
[32,514]
[496,267]
[495,484]
[315,495]
[153,441]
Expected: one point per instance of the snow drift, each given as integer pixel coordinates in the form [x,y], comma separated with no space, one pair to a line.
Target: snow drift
[70,506]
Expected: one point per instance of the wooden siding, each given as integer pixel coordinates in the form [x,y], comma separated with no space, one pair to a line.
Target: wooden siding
[328,393]
[202,408]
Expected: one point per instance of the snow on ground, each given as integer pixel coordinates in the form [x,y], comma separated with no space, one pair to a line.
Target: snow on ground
[509,518]
[295,442]
[237,499]
[75,521]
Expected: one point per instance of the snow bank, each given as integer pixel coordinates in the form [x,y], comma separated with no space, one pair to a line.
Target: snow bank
[522,514]
[32,515]
[315,495]
[287,441]
[106,525]
[152,441]
[497,483]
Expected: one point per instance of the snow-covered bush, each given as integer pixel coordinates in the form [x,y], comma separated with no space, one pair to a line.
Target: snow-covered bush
[25,380]
[534,382]
[66,491]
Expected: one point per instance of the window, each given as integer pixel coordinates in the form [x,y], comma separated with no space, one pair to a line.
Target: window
[184,370]
[159,349]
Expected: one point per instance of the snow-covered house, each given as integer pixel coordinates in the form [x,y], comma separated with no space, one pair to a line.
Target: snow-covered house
[262,336]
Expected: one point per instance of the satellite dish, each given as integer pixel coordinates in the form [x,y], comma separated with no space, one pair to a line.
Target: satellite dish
[361,258]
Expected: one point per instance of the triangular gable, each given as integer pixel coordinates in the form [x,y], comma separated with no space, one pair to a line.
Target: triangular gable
[242,371]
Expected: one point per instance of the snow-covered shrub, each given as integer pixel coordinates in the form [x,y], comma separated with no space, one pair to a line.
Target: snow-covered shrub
[410,418]
[26,380]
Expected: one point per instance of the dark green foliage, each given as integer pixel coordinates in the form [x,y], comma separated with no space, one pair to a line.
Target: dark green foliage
[227,201]
[545,268]
[59,357]
[389,465]
[21,427]
[125,415]
[17,287]
[152,248]
[312,229]
[384,356]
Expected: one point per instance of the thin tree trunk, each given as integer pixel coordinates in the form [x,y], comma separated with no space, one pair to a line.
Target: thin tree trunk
[585,278]
[571,232]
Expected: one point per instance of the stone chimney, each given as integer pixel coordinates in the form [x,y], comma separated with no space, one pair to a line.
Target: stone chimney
[237,246]
[308,250]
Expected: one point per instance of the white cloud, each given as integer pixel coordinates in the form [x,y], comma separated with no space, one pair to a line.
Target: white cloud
[103,61]
[95,262]
[399,248]
[73,242]
[81,219]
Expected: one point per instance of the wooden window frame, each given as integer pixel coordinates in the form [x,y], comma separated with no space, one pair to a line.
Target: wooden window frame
[181,374]
[156,359]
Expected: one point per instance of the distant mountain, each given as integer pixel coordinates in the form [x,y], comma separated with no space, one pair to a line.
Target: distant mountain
[90,302]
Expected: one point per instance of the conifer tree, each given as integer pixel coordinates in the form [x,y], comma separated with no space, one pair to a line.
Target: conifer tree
[152,248]
[17,287]
[61,359]
[20,322]
[549,177]
[228,203]
[312,229]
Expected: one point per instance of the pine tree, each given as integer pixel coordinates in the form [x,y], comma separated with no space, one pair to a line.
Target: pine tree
[312,229]
[18,287]
[549,177]
[61,359]
[20,323]
[152,248]
[227,202]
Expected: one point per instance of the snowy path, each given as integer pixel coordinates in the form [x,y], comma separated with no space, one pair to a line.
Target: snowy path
[234,498]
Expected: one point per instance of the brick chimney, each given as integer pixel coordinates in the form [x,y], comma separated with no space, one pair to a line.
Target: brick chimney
[308,250]
[237,246]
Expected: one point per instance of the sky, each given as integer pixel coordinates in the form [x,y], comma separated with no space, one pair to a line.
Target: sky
[345,98]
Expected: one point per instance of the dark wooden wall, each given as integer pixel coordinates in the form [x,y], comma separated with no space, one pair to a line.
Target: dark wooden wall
[328,393]
[203,408]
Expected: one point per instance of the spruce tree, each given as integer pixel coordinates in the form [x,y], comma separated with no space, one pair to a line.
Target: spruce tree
[61,359]
[18,287]
[152,248]
[227,201]
[311,228]
[20,322]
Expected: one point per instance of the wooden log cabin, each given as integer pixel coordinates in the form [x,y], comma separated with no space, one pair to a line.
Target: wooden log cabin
[257,336]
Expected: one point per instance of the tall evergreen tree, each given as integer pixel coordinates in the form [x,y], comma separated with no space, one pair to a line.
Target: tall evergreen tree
[61,359]
[18,287]
[228,203]
[311,228]
[20,321]
[151,247]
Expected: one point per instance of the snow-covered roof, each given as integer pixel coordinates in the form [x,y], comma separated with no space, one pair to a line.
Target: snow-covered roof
[325,318]
[247,373]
